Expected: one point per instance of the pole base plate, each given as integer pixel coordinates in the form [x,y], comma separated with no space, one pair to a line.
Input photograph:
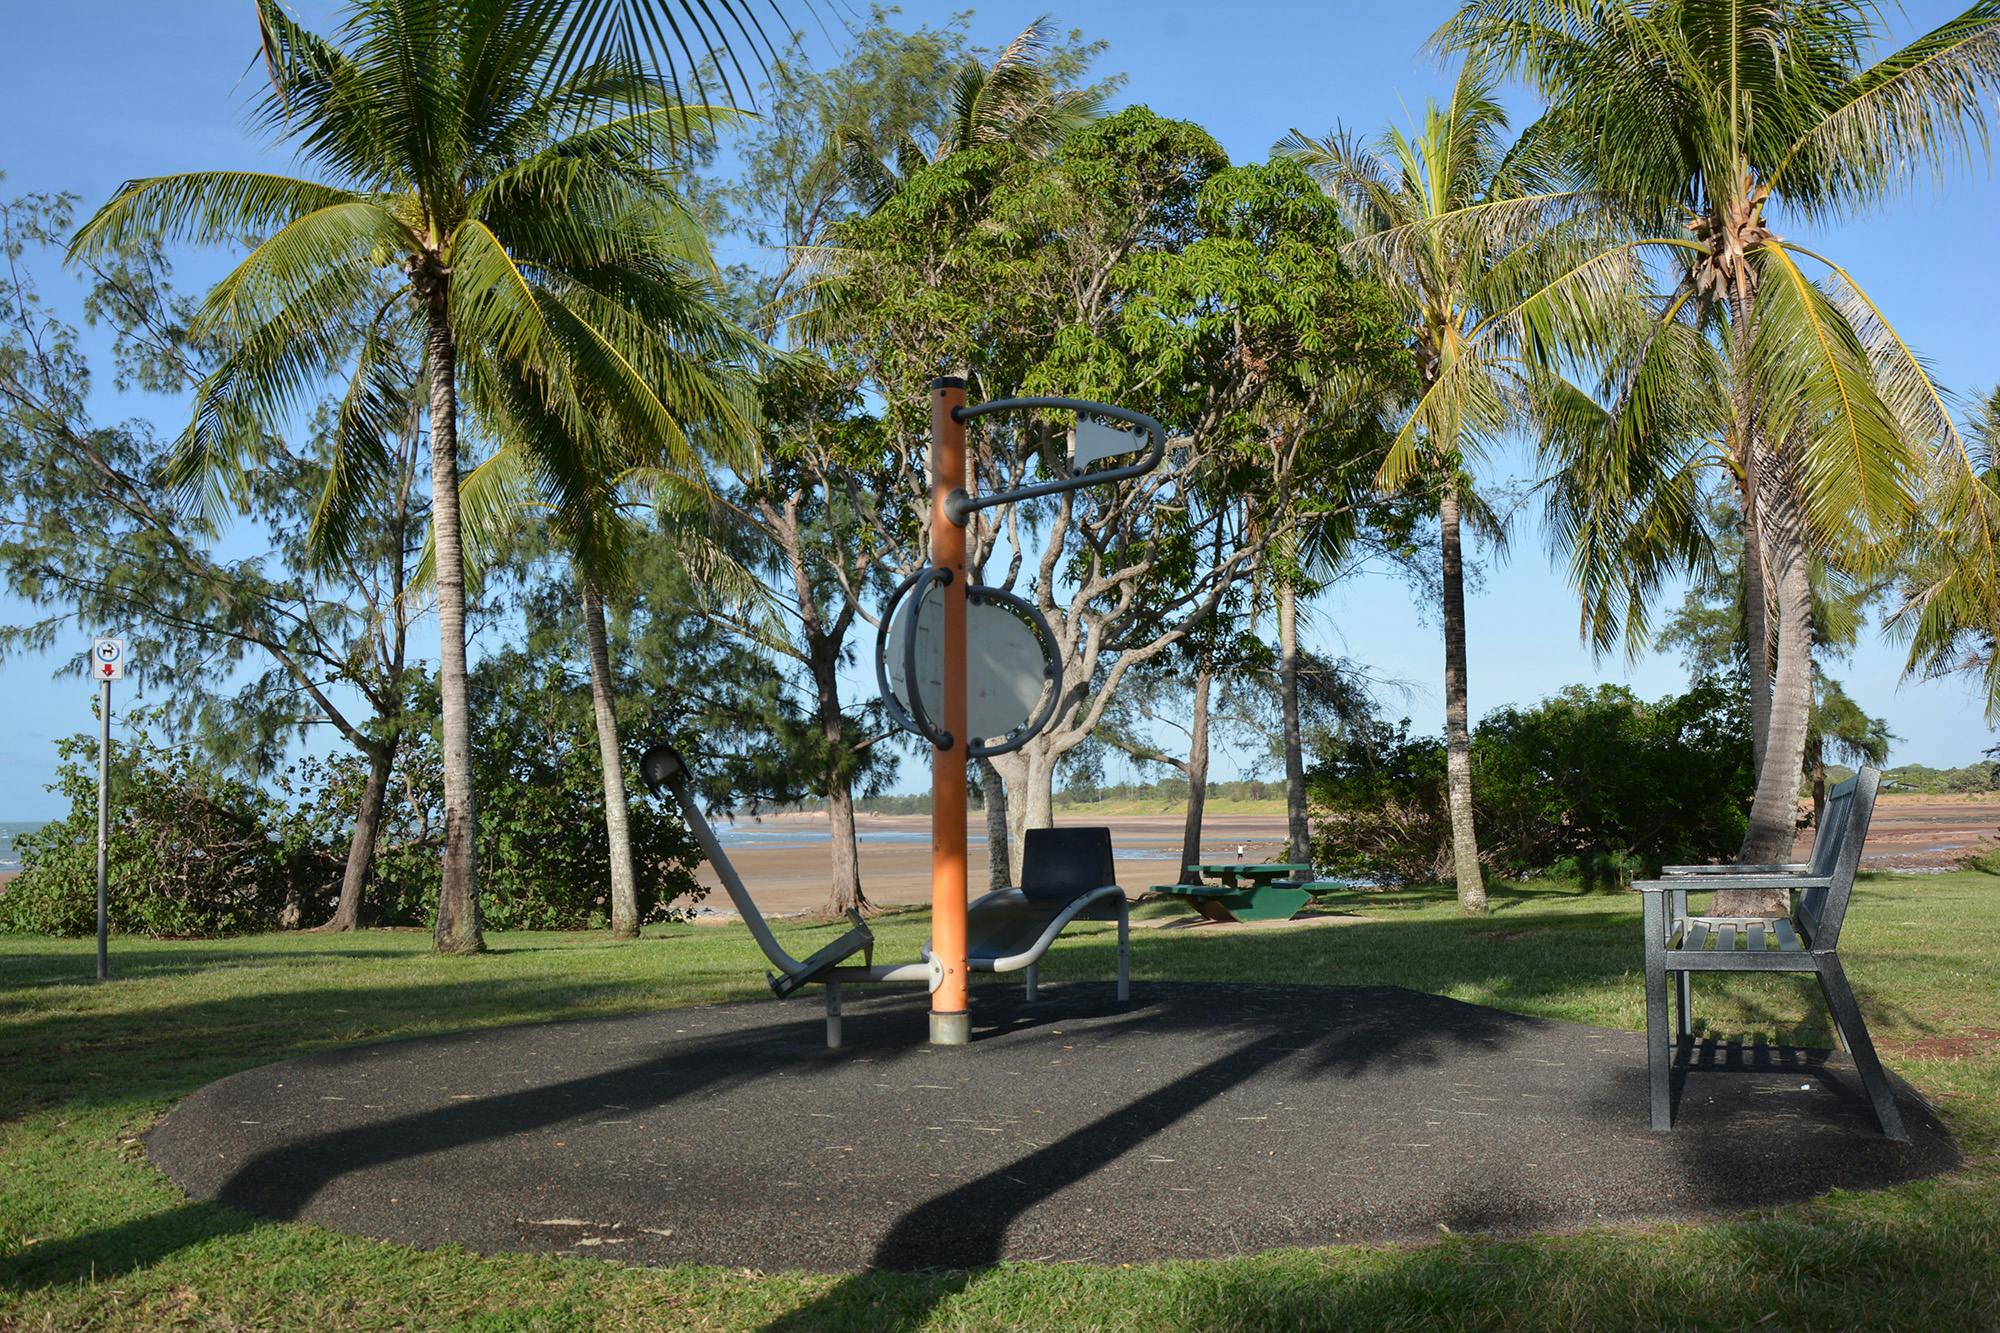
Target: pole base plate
[951,1029]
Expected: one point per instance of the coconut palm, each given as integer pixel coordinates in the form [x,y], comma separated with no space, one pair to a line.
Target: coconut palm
[1018,100]
[1458,225]
[515,177]
[1950,607]
[1709,117]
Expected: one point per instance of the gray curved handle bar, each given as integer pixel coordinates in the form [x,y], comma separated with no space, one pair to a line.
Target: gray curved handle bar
[960,507]
[889,703]
[937,736]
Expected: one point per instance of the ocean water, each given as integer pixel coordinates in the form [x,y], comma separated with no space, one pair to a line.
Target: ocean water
[9,858]
[750,833]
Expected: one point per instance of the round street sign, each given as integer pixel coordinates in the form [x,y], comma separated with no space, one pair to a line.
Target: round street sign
[107,659]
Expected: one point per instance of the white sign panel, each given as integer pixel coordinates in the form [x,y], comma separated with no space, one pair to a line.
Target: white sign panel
[1003,661]
[107,659]
[1093,438]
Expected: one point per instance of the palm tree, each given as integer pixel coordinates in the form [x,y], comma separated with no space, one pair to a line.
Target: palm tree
[1017,100]
[513,174]
[1950,607]
[1707,117]
[1452,220]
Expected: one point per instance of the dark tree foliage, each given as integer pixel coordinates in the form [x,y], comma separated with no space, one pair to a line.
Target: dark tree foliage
[193,851]
[1592,782]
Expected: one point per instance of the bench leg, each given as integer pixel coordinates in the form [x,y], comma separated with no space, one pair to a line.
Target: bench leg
[1847,1017]
[1839,1033]
[1124,951]
[833,1015]
[1029,988]
[1659,1051]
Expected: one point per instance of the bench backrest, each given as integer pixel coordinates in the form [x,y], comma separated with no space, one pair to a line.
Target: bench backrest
[1837,855]
[1058,864]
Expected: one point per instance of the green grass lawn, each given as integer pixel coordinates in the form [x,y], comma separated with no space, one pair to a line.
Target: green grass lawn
[92,1237]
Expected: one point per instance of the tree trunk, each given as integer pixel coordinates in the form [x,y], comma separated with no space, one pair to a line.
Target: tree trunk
[611,765]
[999,871]
[361,845]
[1197,775]
[1298,840]
[1818,747]
[1774,812]
[458,920]
[1457,731]
[1756,627]
[1030,788]
[844,894]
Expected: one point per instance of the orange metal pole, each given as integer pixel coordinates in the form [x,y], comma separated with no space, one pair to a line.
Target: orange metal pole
[951,1020]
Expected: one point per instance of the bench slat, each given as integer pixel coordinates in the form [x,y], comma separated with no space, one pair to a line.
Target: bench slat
[1725,938]
[1697,935]
[1788,939]
[1754,937]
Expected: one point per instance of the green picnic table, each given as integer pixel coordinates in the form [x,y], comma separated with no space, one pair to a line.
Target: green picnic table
[1249,890]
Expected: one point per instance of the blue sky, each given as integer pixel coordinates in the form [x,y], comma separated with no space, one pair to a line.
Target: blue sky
[92,95]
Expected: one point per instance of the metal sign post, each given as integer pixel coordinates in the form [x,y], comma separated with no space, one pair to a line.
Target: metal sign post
[951,1018]
[107,657]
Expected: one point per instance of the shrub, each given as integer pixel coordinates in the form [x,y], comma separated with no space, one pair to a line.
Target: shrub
[192,851]
[1592,783]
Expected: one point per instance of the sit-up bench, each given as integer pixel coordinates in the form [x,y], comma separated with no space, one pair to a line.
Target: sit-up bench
[1066,875]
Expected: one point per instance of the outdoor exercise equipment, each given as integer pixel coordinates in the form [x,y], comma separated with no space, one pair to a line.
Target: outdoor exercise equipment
[1066,875]
[936,696]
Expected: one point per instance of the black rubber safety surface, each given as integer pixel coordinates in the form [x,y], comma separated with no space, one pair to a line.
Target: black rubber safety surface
[1195,1121]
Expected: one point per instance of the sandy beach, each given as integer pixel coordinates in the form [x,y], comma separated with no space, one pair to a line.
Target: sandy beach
[792,877]
[1909,832]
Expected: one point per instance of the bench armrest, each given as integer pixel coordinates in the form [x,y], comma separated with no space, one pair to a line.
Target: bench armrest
[1793,868]
[1708,882]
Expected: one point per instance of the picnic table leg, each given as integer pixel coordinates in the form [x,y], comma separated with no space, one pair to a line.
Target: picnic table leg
[1213,910]
[1847,1014]
[1124,950]
[1659,1053]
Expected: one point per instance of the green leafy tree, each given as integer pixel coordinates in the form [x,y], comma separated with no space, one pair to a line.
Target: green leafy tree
[810,520]
[260,650]
[1133,265]
[1949,605]
[1711,121]
[510,173]
[1023,98]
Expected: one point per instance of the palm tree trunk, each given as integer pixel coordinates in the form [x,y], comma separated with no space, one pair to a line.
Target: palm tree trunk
[1756,626]
[611,765]
[1197,771]
[458,920]
[999,873]
[1818,748]
[1298,842]
[1774,812]
[1457,730]
[361,845]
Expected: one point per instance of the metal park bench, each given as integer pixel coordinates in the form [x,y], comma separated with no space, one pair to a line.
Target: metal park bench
[1681,943]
